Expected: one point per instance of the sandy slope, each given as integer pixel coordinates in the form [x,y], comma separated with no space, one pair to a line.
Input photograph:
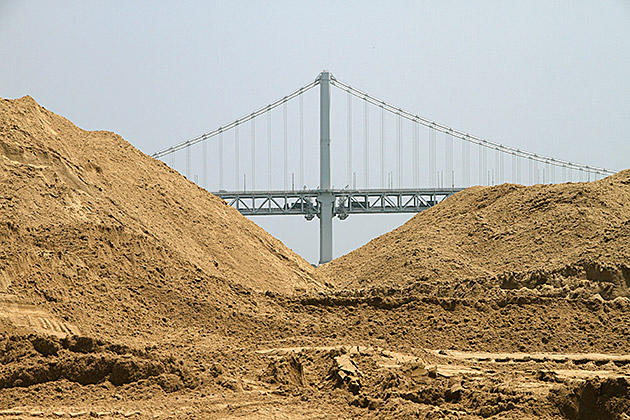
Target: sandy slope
[108,237]
[509,236]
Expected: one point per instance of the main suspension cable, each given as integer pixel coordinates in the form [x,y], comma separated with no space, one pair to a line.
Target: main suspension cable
[465,136]
[234,123]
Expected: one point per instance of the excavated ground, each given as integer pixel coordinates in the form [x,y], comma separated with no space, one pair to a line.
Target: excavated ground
[427,358]
[128,292]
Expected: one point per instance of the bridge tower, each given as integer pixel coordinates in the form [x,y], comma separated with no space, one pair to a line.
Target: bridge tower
[325,196]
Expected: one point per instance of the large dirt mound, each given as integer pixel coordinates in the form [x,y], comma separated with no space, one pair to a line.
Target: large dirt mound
[569,238]
[114,241]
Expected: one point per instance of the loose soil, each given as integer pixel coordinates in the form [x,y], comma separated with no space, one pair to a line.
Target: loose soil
[127,291]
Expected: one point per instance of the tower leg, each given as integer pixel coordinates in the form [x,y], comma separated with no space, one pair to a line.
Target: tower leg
[325,197]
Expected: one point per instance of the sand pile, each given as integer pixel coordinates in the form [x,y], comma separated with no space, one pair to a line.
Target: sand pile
[564,239]
[113,242]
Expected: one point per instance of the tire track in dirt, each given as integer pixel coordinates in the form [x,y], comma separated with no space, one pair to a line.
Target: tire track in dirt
[33,318]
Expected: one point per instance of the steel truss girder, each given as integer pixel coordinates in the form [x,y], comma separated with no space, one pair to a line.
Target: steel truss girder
[305,202]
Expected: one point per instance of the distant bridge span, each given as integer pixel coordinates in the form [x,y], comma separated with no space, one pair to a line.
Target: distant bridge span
[326,202]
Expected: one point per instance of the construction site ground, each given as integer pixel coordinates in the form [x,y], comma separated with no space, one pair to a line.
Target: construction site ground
[127,291]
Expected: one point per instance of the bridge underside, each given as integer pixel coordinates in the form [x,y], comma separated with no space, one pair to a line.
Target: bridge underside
[313,203]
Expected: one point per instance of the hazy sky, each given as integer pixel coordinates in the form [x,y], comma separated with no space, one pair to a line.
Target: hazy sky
[547,76]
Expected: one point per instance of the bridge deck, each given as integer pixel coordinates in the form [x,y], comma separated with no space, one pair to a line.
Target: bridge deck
[346,202]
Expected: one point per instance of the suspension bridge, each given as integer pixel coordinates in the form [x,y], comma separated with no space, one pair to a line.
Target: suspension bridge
[402,167]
